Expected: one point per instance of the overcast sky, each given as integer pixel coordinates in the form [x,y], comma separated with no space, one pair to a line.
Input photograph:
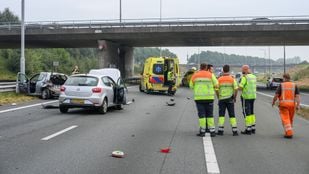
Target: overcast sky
[49,10]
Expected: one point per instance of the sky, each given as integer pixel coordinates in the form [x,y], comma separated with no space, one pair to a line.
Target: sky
[58,10]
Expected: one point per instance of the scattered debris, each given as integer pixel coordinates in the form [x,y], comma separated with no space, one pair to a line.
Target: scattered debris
[50,107]
[132,135]
[170,103]
[172,99]
[118,154]
[188,98]
[147,113]
[165,150]
[130,102]
[13,104]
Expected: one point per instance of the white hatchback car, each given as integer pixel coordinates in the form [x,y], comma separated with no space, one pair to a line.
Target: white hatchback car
[99,89]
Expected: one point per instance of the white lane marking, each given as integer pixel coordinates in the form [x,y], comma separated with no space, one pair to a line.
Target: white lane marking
[267,95]
[304,94]
[210,155]
[28,106]
[59,133]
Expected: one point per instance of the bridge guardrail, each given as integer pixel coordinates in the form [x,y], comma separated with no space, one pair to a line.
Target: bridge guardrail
[7,86]
[155,22]
[133,80]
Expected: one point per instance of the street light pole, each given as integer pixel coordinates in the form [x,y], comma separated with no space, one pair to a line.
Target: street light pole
[284,58]
[120,11]
[22,58]
[160,10]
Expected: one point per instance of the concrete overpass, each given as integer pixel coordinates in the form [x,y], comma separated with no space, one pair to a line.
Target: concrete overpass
[116,40]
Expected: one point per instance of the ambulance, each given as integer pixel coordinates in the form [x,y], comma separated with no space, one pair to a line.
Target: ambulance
[155,72]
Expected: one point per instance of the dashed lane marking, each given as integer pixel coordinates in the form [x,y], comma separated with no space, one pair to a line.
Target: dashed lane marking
[59,133]
[28,106]
[210,156]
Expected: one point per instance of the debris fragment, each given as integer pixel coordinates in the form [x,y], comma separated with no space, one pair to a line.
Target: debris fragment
[118,154]
[165,150]
[50,107]
[13,104]
[188,98]
[170,103]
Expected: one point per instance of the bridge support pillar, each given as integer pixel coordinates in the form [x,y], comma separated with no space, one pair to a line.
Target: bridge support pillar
[113,55]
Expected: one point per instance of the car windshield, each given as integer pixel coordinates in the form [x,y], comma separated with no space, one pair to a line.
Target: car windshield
[82,81]
[277,80]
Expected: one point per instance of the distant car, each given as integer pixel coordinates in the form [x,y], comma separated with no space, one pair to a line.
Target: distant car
[261,21]
[187,77]
[273,82]
[44,84]
[99,89]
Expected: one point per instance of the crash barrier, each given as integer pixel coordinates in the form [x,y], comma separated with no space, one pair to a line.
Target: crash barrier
[7,86]
[133,80]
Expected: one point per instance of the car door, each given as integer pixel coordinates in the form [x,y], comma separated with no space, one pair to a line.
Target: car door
[108,88]
[22,83]
[121,92]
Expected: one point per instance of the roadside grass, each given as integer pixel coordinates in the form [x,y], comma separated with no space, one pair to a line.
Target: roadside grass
[4,75]
[304,112]
[12,97]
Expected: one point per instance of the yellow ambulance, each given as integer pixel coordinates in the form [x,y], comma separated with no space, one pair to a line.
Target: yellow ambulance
[155,75]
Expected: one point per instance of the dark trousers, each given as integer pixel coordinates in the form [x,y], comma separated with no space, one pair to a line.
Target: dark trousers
[204,108]
[248,106]
[170,86]
[227,104]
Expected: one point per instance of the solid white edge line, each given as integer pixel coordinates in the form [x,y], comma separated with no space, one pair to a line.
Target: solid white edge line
[59,133]
[28,106]
[210,156]
[267,95]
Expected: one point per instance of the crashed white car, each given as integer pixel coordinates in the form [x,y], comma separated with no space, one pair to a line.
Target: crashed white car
[99,89]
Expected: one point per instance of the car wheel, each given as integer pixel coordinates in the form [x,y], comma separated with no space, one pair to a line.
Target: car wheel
[45,94]
[103,108]
[63,109]
[140,88]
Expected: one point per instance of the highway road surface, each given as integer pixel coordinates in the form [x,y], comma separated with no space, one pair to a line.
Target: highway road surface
[34,140]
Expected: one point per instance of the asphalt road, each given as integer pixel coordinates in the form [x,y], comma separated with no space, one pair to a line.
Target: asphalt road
[140,130]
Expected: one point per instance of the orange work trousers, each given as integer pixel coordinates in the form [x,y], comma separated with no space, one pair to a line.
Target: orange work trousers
[287,116]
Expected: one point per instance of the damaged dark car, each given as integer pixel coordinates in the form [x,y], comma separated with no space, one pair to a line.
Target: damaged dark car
[44,84]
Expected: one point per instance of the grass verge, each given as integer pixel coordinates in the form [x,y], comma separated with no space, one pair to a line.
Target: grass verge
[304,112]
[12,97]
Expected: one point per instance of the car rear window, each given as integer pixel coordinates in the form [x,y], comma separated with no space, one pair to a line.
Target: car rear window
[278,80]
[158,69]
[82,81]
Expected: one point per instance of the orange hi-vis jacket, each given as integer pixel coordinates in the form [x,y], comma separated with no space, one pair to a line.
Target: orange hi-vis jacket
[203,84]
[227,85]
[287,97]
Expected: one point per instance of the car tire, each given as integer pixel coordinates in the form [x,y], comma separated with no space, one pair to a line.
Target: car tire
[63,109]
[103,108]
[140,88]
[45,94]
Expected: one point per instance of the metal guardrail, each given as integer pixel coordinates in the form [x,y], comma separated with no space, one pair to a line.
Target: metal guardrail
[133,80]
[156,22]
[7,86]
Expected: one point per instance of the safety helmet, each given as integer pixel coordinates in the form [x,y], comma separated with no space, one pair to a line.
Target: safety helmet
[193,68]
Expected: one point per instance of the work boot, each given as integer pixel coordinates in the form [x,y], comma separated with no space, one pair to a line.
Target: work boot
[235,133]
[201,134]
[253,131]
[288,136]
[212,134]
[207,130]
[246,132]
[220,132]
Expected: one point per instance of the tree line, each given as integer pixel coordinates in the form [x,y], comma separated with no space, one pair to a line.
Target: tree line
[222,58]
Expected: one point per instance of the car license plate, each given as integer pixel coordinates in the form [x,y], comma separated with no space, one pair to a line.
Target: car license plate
[77,101]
